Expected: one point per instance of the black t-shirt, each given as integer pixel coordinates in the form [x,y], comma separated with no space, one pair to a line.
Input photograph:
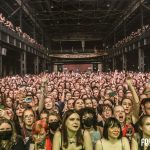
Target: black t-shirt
[100,124]
[51,136]
[19,145]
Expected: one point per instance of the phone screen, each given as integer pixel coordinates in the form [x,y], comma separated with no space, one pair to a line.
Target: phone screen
[28,99]
[2,107]
[112,94]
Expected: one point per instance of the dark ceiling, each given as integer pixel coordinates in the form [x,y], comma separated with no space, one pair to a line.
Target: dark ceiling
[65,23]
[82,17]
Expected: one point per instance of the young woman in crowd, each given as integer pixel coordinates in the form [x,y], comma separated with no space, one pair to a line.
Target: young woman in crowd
[48,104]
[104,112]
[89,122]
[54,124]
[8,102]
[131,107]
[112,137]
[28,120]
[44,115]
[126,125]
[39,139]
[78,104]
[145,106]
[141,140]
[100,86]
[69,104]
[76,94]
[71,136]
[8,136]
[88,102]
[18,117]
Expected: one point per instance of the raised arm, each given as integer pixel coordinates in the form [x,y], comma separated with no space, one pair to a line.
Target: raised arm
[136,101]
[43,94]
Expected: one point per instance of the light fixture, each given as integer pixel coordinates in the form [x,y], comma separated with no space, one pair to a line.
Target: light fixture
[52,6]
[108,5]
[80,9]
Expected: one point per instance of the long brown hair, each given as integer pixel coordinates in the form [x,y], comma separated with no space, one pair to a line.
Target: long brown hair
[13,139]
[79,135]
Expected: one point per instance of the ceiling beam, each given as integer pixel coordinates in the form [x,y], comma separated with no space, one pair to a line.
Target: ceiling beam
[48,5]
[133,7]
[81,11]
[77,36]
[28,12]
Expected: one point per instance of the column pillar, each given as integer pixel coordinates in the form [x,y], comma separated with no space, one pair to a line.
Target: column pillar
[23,61]
[36,64]
[44,64]
[59,67]
[55,68]
[20,17]
[114,63]
[49,66]
[141,59]
[1,66]
[124,61]
[100,67]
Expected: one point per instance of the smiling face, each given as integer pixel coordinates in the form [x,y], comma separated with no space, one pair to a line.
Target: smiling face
[94,103]
[68,96]
[113,132]
[73,122]
[48,103]
[120,93]
[96,93]
[76,94]
[70,104]
[88,103]
[19,110]
[9,102]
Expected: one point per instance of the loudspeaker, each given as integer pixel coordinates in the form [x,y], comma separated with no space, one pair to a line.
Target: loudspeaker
[95,67]
[3,51]
[60,68]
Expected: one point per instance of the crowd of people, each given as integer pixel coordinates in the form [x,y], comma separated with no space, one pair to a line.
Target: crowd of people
[75,111]
[132,36]
[19,31]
